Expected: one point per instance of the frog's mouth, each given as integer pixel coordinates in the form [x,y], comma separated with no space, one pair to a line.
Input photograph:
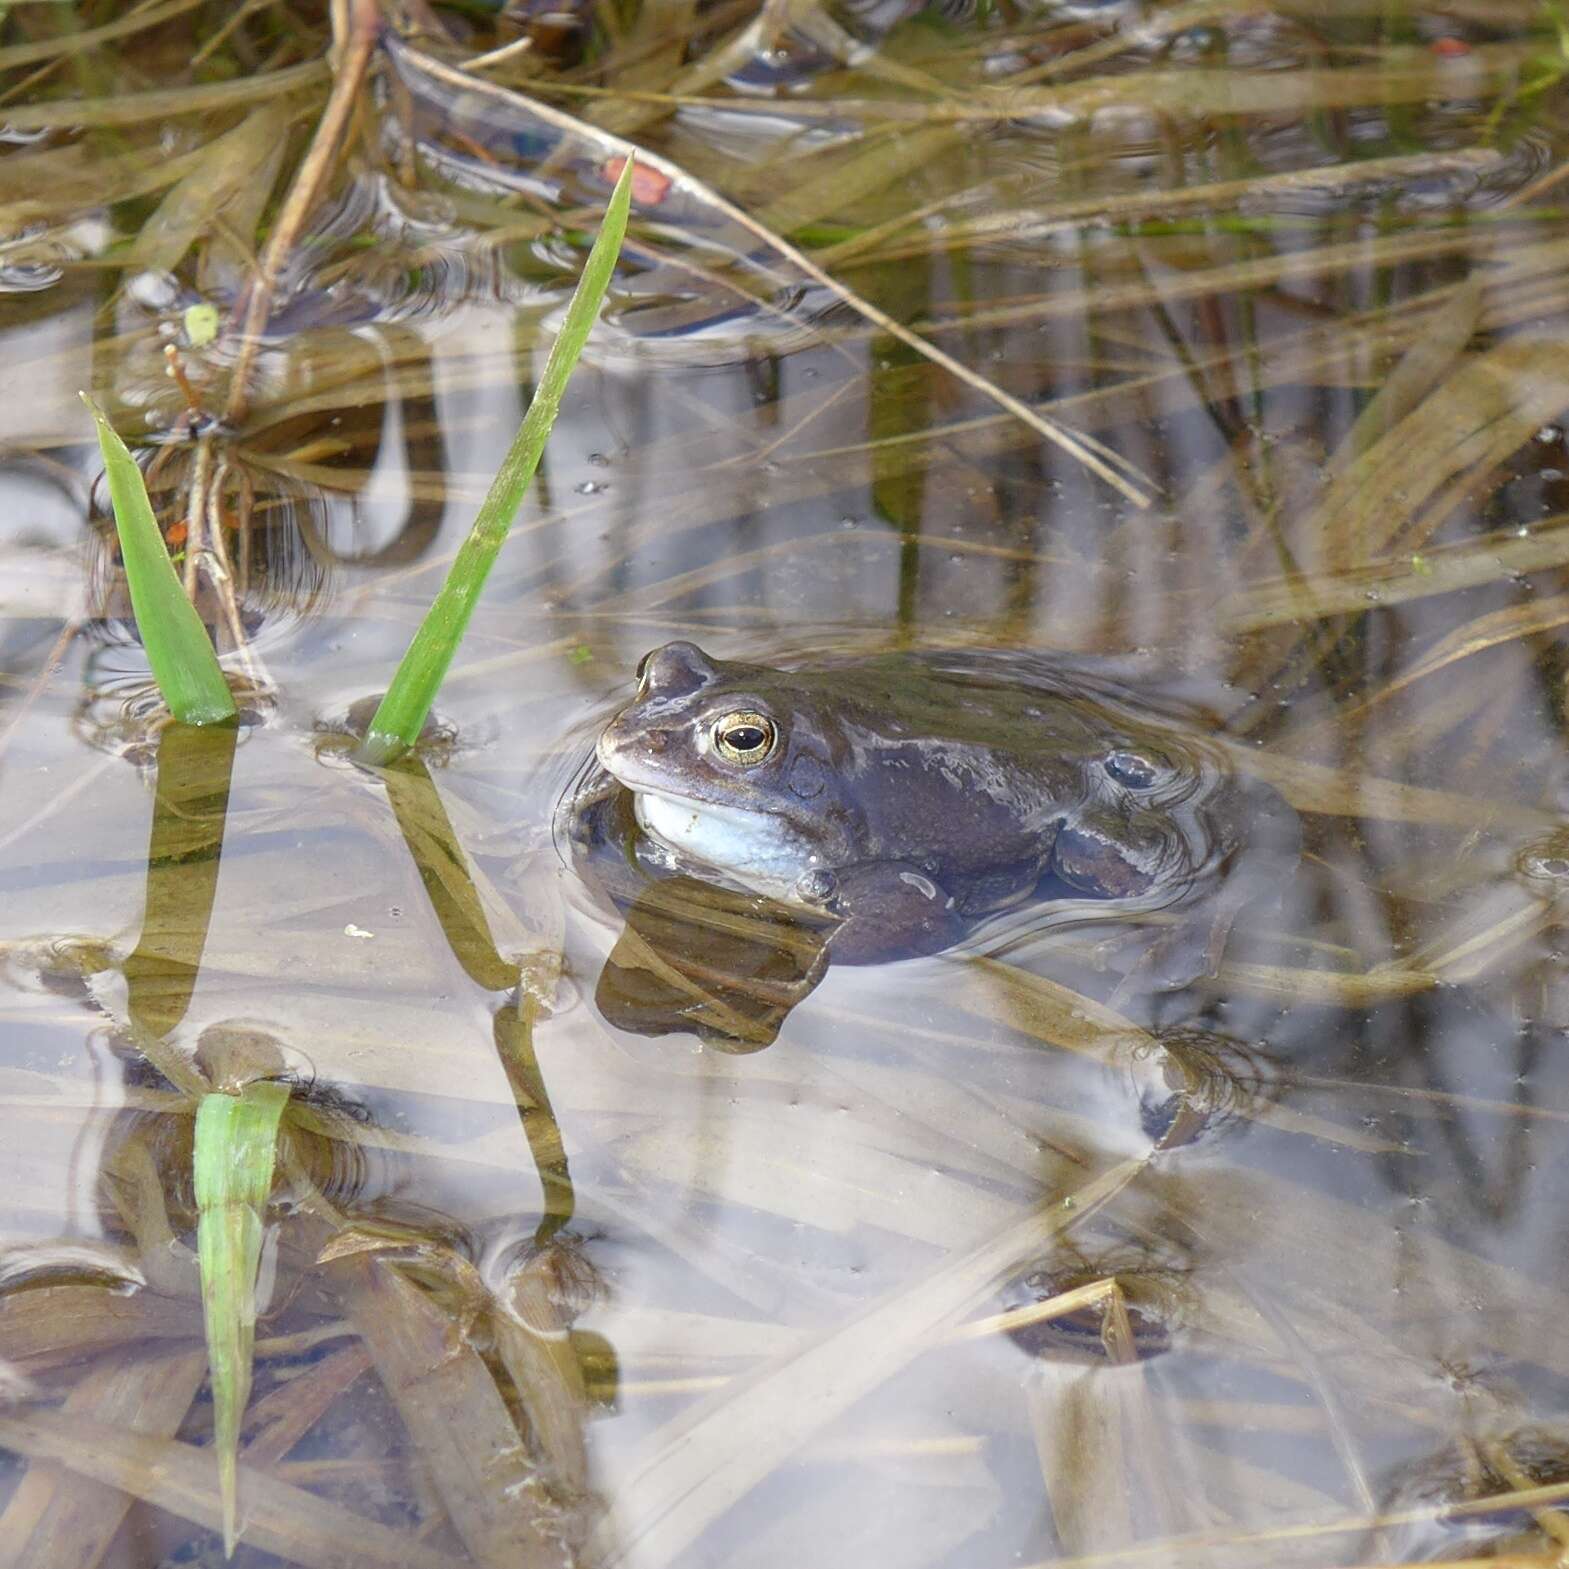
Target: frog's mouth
[757,849]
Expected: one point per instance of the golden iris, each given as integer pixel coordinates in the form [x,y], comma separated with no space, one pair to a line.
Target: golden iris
[745,737]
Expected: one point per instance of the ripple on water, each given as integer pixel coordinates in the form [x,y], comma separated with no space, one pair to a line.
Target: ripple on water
[33,1264]
[33,261]
[1544,864]
[1490,1462]
[121,712]
[1046,1317]
[276,539]
[1194,1084]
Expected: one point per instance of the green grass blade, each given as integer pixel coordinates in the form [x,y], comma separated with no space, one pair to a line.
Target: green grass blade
[404,709]
[236,1142]
[178,648]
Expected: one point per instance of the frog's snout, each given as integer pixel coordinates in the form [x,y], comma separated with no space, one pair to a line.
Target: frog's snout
[621,744]
[605,748]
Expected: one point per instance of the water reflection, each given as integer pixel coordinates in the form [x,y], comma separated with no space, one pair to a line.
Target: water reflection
[341,1205]
[992,1256]
[903,801]
[727,967]
[1491,1461]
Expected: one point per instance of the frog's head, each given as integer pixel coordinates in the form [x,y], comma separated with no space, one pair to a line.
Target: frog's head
[729,764]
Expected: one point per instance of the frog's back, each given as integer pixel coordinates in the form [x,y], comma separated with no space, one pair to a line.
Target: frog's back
[1022,702]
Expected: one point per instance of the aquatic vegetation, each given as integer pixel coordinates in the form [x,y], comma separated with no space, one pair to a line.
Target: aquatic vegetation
[234,1136]
[611,1218]
[178,649]
[183,662]
[401,714]
[235,1149]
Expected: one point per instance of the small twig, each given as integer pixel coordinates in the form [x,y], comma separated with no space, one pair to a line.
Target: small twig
[245,519]
[222,36]
[196,512]
[221,576]
[176,370]
[206,555]
[43,73]
[358,39]
[483,62]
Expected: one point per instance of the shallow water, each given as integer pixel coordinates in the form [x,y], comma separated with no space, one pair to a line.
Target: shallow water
[557,1274]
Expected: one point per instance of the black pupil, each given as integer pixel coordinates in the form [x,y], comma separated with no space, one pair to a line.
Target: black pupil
[746,738]
[1128,768]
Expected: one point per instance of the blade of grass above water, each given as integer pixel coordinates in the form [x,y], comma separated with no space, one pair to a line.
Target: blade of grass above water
[236,1141]
[178,648]
[404,709]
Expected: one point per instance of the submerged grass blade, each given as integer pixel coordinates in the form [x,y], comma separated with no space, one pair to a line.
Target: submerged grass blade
[236,1138]
[419,676]
[699,1464]
[771,231]
[178,648]
[163,103]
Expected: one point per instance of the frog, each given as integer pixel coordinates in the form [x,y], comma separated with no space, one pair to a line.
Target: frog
[911,796]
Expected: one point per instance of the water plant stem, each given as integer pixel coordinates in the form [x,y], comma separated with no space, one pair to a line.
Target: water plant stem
[361,26]
[178,648]
[403,711]
[236,1142]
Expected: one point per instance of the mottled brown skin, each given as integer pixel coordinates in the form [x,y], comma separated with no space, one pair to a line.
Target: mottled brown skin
[910,795]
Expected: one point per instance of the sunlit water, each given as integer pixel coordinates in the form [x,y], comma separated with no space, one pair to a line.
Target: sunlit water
[718,1279]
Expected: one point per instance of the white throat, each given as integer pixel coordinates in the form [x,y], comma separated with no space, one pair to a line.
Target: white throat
[759,850]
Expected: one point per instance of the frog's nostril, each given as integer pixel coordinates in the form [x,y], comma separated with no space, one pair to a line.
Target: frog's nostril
[658,740]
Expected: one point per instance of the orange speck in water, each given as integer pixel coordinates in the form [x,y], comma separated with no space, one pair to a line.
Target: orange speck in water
[175,534]
[467,142]
[1450,48]
[649,186]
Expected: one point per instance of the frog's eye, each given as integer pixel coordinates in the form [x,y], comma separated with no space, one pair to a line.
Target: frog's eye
[745,737]
[1132,769]
[642,669]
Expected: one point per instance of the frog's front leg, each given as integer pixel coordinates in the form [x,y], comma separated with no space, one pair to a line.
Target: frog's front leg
[886,909]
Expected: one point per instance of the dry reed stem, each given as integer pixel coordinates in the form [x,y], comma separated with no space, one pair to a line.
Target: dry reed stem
[164,102]
[1084,448]
[361,28]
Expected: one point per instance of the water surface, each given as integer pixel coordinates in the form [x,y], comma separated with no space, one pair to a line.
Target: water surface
[544,1287]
